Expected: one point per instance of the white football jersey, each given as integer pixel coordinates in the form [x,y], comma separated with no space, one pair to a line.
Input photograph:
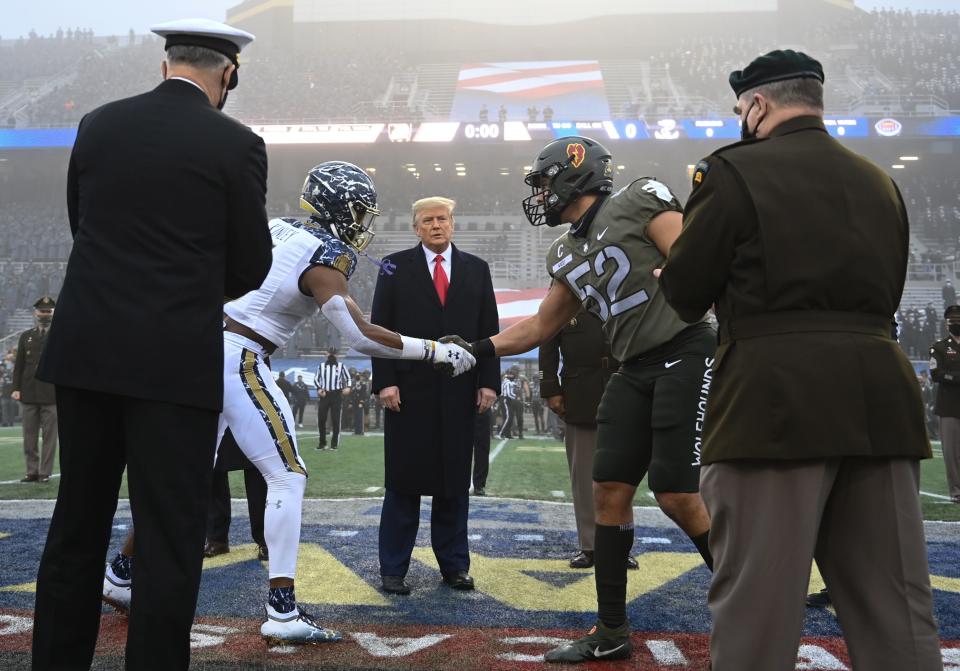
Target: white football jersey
[278,307]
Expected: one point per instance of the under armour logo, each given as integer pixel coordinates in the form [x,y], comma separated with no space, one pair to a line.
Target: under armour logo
[277,504]
[387,267]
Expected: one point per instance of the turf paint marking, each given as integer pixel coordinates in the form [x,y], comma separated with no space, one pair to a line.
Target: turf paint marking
[815,657]
[550,641]
[497,450]
[557,493]
[372,490]
[343,534]
[11,625]
[208,635]
[648,540]
[666,653]
[32,484]
[396,646]
[935,496]
[527,538]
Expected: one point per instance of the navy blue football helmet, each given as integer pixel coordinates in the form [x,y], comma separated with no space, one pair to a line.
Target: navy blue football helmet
[342,197]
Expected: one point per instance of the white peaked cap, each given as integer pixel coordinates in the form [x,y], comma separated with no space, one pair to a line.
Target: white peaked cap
[214,35]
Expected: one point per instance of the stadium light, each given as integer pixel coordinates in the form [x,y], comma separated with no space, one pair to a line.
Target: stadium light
[909,158]
[898,166]
[437,168]
[621,167]
[371,171]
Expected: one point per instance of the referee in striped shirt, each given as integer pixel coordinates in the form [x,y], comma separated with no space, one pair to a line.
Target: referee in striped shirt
[333,382]
[510,390]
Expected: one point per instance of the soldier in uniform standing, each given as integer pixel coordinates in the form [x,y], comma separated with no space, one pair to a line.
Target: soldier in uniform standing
[814,428]
[38,400]
[574,393]
[945,371]
[648,421]
[360,394]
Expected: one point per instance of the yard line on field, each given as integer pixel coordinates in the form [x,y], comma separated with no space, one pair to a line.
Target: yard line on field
[497,450]
[371,490]
[935,496]
[557,494]
[17,482]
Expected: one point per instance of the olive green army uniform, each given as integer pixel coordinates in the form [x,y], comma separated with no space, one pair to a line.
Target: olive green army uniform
[647,419]
[814,426]
[945,371]
[587,367]
[38,408]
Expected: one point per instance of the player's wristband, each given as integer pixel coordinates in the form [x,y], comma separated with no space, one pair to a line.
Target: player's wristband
[418,348]
[484,349]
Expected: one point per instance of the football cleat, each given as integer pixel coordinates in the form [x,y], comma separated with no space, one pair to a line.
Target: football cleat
[116,591]
[600,644]
[295,627]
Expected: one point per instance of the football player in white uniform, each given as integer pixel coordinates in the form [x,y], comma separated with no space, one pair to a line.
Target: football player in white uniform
[312,261]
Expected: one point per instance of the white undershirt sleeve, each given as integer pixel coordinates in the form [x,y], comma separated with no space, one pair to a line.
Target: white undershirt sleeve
[338,314]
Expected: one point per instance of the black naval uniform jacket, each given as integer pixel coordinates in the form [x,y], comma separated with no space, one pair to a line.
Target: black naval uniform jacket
[428,445]
[802,245]
[587,367]
[166,199]
[945,371]
[29,348]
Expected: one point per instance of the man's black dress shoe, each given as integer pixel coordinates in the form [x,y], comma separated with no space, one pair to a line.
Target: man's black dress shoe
[459,580]
[394,584]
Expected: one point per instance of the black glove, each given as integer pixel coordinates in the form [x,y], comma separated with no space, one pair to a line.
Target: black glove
[457,340]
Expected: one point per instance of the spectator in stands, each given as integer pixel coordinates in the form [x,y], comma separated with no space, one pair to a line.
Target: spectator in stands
[949,294]
[37,398]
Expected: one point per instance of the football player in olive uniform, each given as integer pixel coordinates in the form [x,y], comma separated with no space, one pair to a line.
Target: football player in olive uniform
[651,414]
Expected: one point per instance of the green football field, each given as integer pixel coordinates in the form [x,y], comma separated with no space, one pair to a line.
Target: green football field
[528,469]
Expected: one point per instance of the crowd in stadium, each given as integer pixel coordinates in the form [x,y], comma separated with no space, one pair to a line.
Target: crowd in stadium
[901,54]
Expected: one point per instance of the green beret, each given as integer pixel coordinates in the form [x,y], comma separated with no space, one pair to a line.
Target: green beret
[951,311]
[775,66]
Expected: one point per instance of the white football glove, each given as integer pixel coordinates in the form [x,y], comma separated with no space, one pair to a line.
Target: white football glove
[450,358]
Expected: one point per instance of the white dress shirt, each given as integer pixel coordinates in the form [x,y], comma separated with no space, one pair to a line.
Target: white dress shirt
[447,267]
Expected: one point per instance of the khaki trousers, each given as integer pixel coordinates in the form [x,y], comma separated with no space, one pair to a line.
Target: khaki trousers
[860,518]
[581,443]
[950,441]
[39,418]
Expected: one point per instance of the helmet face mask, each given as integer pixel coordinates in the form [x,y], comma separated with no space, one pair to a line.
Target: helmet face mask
[565,170]
[342,197]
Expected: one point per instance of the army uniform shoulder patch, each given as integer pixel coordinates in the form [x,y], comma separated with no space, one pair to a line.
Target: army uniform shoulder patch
[700,171]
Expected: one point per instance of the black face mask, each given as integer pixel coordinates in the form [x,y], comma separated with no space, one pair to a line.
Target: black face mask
[745,132]
[954,329]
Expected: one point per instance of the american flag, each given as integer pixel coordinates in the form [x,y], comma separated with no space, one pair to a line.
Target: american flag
[536,79]
[515,304]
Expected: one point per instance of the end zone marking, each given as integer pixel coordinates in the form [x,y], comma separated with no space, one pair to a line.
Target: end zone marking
[667,653]
[648,540]
[550,641]
[343,533]
[396,646]
[528,537]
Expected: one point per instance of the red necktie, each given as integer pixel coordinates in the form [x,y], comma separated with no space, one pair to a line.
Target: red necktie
[440,280]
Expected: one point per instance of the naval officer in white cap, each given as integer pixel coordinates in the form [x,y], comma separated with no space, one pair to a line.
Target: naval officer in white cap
[166,202]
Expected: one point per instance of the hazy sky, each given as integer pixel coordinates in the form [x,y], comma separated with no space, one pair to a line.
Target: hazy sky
[116,17]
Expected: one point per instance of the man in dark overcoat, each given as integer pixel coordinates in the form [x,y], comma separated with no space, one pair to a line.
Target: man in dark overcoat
[431,290]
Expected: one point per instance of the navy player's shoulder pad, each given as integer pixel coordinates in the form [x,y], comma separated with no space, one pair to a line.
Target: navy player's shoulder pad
[334,253]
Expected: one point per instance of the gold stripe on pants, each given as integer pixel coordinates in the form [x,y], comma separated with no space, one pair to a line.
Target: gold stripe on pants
[264,403]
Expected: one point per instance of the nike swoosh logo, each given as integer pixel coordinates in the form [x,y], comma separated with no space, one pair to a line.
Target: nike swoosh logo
[602,233]
[598,653]
[671,364]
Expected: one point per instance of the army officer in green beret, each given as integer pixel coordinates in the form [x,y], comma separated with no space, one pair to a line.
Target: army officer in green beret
[814,427]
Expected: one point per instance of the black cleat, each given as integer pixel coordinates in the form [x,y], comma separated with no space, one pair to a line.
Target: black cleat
[632,563]
[600,644]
